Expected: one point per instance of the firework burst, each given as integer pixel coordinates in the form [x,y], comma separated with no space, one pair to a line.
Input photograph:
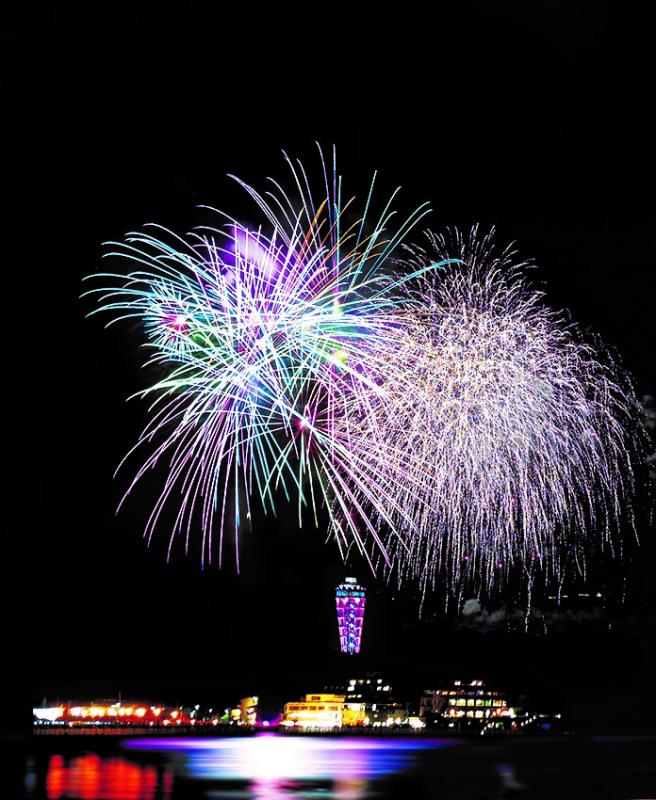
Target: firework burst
[260,338]
[504,432]
[445,418]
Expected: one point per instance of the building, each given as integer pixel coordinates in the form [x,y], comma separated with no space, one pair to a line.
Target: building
[350,600]
[369,688]
[245,712]
[112,714]
[354,715]
[464,704]
[316,711]
[372,695]
[324,711]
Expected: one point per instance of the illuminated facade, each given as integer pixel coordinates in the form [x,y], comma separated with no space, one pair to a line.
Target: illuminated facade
[112,714]
[315,711]
[371,688]
[354,715]
[368,702]
[466,703]
[245,712]
[375,694]
[350,599]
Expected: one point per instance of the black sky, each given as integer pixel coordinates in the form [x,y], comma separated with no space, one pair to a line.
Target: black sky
[529,117]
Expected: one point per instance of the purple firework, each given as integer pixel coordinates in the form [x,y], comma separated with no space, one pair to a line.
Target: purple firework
[500,431]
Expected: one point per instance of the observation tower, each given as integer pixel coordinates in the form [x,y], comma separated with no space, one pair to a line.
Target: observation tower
[350,599]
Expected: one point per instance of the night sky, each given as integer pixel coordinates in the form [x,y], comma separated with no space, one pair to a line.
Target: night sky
[529,117]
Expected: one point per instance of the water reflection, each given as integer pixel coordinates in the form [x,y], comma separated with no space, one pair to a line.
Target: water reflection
[274,789]
[268,757]
[270,767]
[261,767]
[90,777]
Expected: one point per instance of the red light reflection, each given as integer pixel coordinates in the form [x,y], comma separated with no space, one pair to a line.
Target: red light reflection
[93,778]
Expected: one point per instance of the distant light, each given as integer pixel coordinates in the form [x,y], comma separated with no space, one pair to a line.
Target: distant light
[51,714]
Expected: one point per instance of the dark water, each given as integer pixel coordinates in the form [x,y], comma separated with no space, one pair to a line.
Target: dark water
[272,767]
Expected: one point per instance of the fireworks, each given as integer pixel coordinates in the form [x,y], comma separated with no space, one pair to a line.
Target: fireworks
[260,338]
[445,419]
[505,433]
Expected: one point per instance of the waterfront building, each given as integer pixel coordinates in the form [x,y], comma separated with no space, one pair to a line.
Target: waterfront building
[354,715]
[245,712]
[315,711]
[107,713]
[350,601]
[369,688]
[373,693]
[465,703]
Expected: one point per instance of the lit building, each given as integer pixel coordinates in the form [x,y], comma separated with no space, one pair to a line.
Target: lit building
[245,712]
[374,694]
[372,688]
[466,703]
[112,714]
[350,599]
[315,711]
[354,715]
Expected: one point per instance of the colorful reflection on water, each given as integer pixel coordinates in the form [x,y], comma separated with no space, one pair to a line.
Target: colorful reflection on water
[90,777]
[271,757]
[271,767]
[263,767]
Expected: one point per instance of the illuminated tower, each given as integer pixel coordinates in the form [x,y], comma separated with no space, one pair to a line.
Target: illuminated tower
[350,615]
